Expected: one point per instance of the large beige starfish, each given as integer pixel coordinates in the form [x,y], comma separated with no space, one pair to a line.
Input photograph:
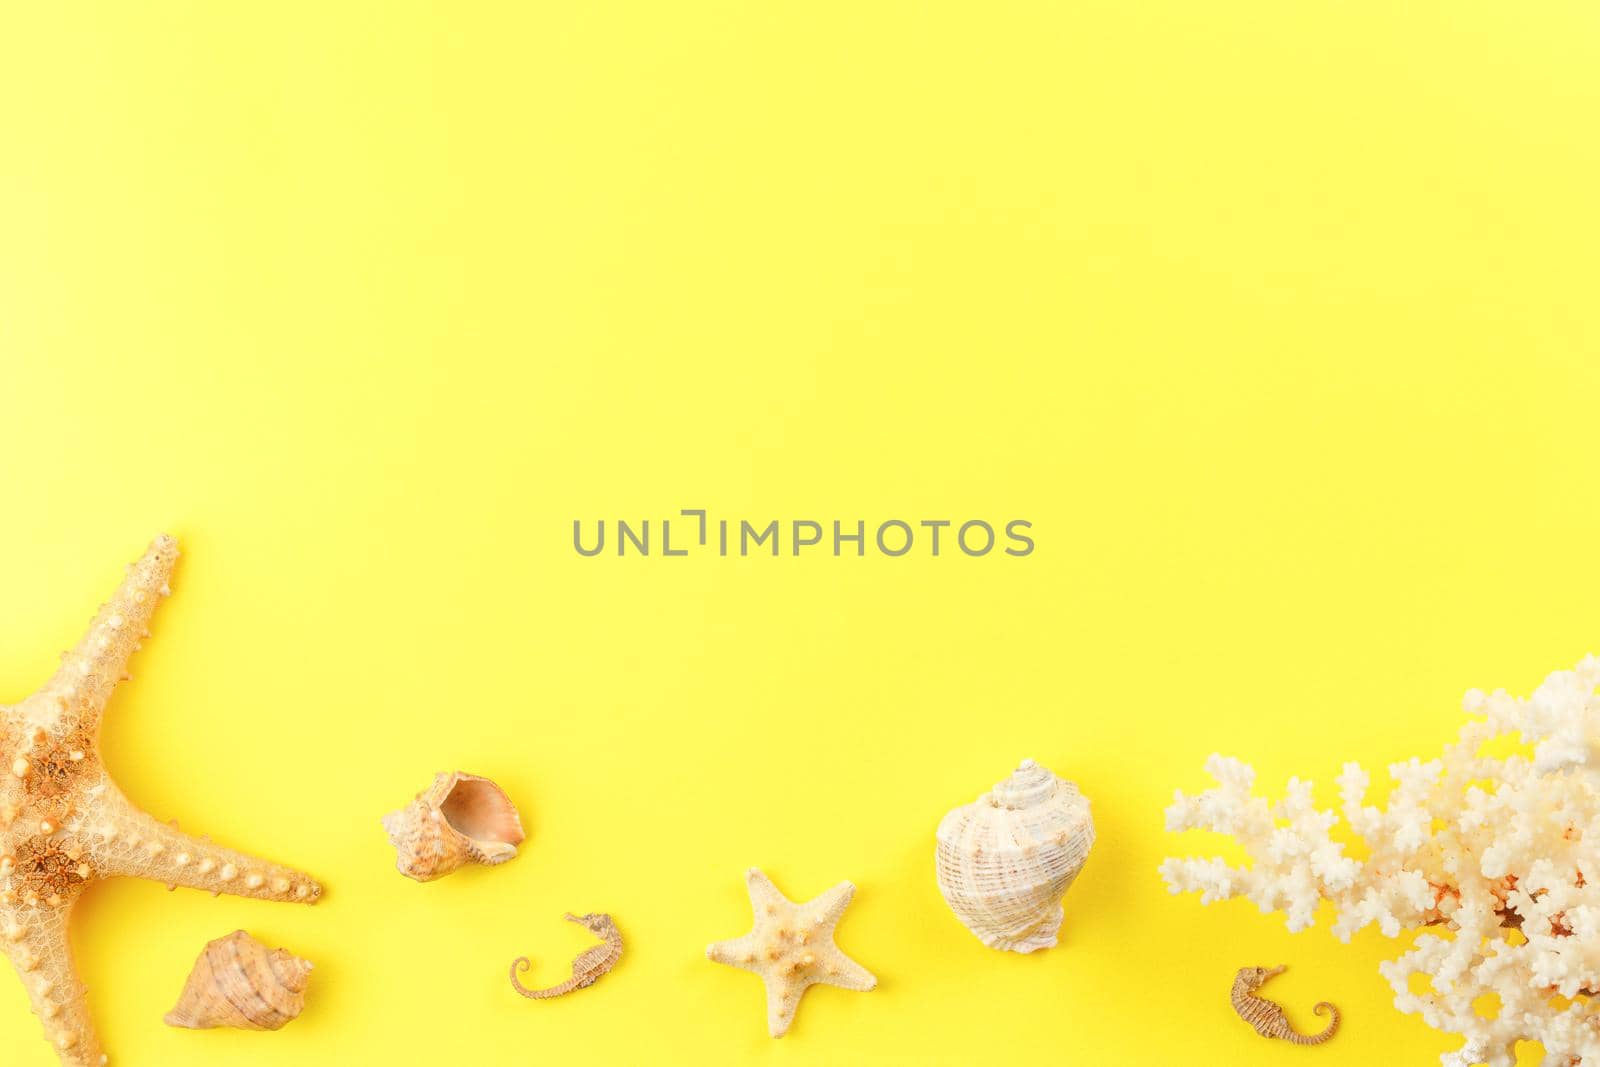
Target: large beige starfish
[64,822]
[792,948]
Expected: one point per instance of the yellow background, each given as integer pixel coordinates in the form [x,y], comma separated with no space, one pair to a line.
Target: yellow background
[1276,319]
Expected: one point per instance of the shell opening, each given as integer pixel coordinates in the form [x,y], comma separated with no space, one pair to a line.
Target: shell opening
[479,809]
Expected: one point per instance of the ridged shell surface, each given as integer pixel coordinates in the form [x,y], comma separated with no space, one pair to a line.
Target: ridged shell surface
[462,818]
[1005,860]
[239,982]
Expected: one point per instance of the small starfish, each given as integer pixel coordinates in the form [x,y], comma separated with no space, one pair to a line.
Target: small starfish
[64,822]
[792,948]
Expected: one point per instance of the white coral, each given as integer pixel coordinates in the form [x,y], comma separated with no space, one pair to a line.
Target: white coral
[1501,856]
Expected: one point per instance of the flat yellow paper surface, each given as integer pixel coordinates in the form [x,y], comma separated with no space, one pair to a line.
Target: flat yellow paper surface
[1276,320]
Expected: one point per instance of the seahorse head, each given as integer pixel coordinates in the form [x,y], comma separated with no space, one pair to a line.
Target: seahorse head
[1253,977]
[596,922]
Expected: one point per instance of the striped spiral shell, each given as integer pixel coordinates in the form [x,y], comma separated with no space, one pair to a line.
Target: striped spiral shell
[1005,860]
[239,982]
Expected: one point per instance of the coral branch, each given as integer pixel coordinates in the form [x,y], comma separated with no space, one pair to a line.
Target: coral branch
[1503,853]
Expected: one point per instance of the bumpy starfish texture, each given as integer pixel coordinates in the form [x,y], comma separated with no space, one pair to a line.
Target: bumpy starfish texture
[64,823]
[792,948]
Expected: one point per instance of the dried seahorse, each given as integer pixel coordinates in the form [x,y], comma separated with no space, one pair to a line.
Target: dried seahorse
[589,965]
[1267,1017]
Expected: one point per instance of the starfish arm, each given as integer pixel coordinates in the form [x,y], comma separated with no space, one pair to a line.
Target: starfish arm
[738,952]
[764,896]
[842,971]
[123,841]
[783,1000]
[828,908]
[78,691]
[35,940]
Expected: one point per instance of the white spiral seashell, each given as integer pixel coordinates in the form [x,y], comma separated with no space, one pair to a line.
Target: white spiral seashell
[1005,861]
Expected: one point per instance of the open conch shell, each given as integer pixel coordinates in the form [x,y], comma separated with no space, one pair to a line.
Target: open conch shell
[460,819]
[239,982]
[1006,859]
